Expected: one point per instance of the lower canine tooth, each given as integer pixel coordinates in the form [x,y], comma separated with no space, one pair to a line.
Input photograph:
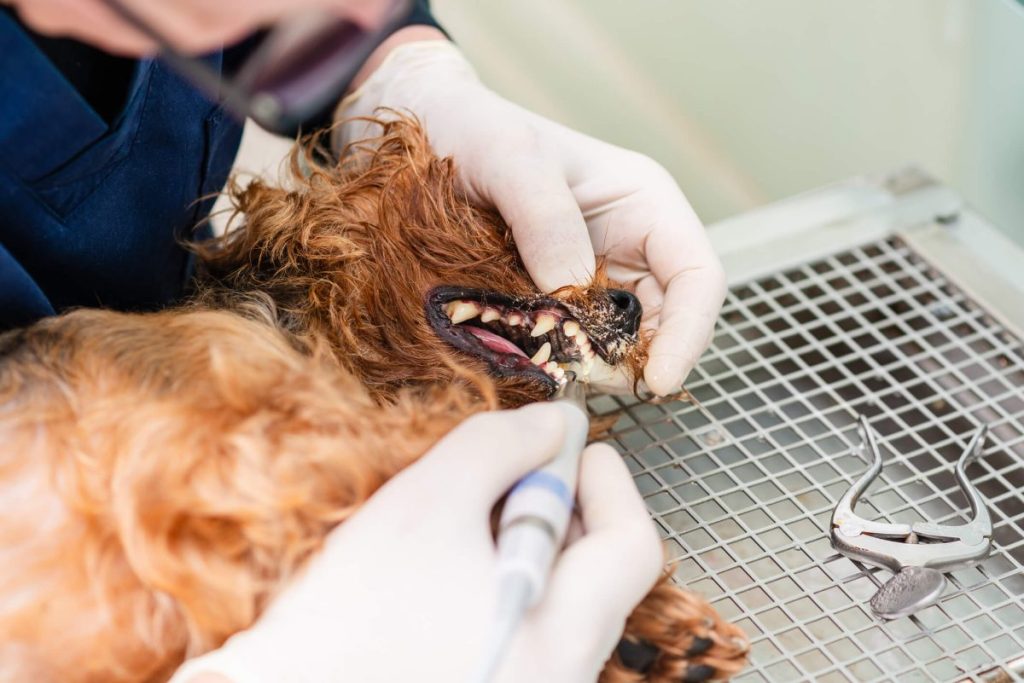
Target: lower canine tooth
[545,323]
[570,327]
[542,355]
[489,315]
[462,311]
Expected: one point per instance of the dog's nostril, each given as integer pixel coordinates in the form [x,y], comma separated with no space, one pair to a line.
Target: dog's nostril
[628,305]
[623,299]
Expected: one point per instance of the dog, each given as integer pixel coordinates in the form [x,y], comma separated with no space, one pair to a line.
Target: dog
[166,473]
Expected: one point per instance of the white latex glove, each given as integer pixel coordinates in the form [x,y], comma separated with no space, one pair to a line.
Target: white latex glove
[564,195]
[406,589]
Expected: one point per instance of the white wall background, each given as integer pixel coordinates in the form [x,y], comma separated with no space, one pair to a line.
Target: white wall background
[990,162]
[748,101]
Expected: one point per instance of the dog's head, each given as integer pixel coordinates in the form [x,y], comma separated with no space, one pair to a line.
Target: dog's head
[410,284]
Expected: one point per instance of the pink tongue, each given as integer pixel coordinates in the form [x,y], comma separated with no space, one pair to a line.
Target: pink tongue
[494,342]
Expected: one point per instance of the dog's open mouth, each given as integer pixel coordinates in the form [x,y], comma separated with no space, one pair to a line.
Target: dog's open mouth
[535,337]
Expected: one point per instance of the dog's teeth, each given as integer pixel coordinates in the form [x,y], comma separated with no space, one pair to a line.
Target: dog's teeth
[545,323]
[514,319]
[542,355]
[570,327]
[461,311]
[490,315]
[581,338]
[553,370]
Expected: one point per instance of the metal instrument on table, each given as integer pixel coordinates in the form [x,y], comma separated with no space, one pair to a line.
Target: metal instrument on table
[917,553]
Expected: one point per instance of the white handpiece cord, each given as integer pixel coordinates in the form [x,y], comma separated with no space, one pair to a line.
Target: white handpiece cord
[533,526]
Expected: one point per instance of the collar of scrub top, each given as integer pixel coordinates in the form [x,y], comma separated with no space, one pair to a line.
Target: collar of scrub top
[298,68]
[922,549]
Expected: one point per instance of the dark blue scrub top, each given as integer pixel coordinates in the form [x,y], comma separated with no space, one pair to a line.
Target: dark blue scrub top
[91,213]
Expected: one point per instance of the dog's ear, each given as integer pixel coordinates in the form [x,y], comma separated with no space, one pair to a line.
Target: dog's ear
[199,459]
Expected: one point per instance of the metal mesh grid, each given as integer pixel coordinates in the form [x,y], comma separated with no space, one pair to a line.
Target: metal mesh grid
[742,486]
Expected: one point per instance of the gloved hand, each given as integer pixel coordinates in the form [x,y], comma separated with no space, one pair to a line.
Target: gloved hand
[564,195]
[406,590]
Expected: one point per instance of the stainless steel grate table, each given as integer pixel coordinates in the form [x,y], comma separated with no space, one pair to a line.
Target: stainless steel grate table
[742,484]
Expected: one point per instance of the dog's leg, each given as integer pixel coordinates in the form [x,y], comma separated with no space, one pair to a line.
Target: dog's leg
[675,636]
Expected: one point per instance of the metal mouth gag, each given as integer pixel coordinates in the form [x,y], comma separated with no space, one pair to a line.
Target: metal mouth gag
[917,553]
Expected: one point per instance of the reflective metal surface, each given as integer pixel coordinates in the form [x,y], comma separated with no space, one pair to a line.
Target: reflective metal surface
[742,485]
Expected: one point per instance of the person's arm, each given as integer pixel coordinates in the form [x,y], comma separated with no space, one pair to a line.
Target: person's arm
[407,34]
[406,589]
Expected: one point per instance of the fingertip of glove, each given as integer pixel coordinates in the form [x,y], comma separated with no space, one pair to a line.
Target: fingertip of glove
[664,377]
[545,420]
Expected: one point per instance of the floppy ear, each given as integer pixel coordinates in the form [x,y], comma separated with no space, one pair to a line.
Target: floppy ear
[226,485]
[69,600]
[171,471]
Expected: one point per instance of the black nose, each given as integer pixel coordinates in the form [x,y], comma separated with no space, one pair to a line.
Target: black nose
[628,307]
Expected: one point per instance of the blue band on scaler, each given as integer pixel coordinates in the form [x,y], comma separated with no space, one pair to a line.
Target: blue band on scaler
[547,481]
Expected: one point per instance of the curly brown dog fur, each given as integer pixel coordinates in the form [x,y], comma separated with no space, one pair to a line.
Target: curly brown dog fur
[166,473]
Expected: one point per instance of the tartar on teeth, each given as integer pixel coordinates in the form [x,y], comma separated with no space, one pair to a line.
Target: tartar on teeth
[543,322]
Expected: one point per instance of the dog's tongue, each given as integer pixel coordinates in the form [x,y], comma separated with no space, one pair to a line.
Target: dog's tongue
[495,342]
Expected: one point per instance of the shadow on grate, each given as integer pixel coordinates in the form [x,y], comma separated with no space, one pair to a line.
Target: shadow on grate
[742,485]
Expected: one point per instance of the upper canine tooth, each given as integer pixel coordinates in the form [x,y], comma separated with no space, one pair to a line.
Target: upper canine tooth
[462,311]
[545,323]
[581,338]
[490,314]
[570,327]
[542,355]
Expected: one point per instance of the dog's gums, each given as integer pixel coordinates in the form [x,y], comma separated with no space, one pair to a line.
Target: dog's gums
[535,337]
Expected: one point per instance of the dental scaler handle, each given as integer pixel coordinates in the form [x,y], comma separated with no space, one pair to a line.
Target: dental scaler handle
[532,529]
[536,515]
